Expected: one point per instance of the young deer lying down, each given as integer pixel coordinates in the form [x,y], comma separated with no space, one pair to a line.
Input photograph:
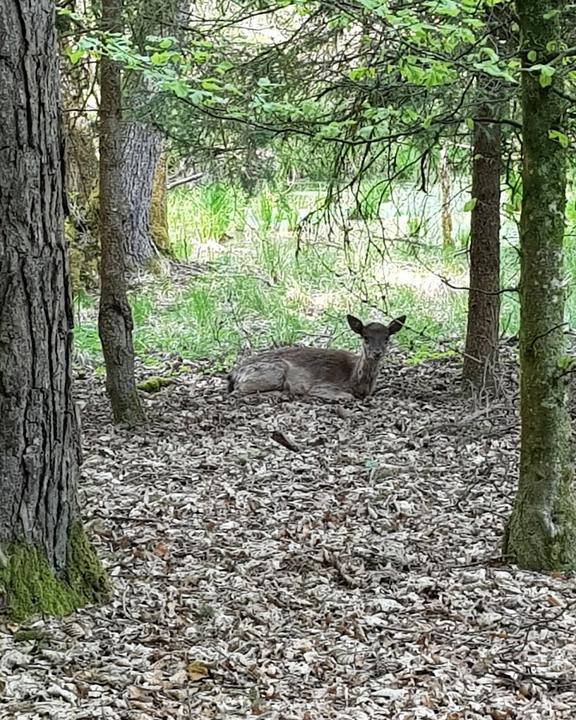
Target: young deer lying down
[330,374]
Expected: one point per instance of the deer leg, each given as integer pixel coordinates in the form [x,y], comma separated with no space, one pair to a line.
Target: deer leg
[330,392]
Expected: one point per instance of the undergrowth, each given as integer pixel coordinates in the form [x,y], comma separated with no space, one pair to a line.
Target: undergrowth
[262,287]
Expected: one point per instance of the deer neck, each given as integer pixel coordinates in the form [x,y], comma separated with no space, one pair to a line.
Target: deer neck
[364,375]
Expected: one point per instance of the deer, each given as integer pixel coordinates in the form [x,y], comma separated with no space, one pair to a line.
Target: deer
[318,372]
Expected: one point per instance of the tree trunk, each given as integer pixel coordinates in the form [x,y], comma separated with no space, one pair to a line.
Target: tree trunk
[481,351]
[47,563]
[159,207]
[142,159]
[115,318]
[444,171]
[541,533]
[147,235]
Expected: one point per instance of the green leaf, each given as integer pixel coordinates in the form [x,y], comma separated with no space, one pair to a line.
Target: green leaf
[546,74]
[470,205]
[223,67]
[559,137]
[366,132]
[361,73]
[494,70]
[490,53]
[532,55]
[74,56]
[159,58]
[211,84]
[178,87]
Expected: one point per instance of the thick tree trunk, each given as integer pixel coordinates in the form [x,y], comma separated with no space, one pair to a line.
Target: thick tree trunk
[115,318]
[541,533]
[481,351]
[47,564]
[142,157]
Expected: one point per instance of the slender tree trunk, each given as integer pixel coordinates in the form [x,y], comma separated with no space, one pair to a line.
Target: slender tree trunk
[541,533]
[481,359]
[115,319]
[444,171]
[47,563]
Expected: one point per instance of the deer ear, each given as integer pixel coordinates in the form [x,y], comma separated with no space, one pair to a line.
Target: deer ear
[356,325]
[397,324]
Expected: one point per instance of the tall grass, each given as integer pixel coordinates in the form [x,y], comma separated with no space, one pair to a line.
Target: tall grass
[202,214]
[266,288]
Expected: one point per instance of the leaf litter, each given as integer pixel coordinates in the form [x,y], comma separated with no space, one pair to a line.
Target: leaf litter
[301,560]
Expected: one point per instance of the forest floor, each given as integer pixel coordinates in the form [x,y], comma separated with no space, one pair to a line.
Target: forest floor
[357,575]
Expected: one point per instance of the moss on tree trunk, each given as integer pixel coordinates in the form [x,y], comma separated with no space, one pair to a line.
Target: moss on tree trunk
[541,533]
[46,562]
[159,209]
[30,587]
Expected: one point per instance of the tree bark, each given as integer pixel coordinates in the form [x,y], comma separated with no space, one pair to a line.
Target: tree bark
[444,171]
[480,370]
[115,317]
[47,563]
[541,533]
[146,228]
[142,153]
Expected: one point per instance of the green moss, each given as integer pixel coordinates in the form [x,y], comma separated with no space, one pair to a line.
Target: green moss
[30,587]
[154,384]
[83,247]
[25,635]
[75,263]
[158,214]
[84,572]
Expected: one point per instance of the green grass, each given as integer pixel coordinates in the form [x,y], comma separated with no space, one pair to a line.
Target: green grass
[259,291]
[203,214]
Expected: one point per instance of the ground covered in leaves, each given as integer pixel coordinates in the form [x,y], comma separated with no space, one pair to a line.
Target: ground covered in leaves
[302,560]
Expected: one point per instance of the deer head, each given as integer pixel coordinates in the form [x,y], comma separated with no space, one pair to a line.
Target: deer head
[375,336]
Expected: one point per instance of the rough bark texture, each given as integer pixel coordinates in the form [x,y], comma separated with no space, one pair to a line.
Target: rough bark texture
[147,218]
[541,533]
[47,563]
[142,153]
[115,318]
[481,359]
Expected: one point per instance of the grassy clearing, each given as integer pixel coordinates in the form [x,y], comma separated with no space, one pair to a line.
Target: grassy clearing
[261,288]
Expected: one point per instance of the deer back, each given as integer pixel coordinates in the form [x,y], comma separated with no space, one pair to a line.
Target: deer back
[319,365]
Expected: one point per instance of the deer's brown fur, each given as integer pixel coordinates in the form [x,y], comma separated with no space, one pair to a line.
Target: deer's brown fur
[332,374]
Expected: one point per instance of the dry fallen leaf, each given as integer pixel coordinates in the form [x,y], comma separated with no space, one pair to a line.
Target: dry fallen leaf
[197,670]
[319,587]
